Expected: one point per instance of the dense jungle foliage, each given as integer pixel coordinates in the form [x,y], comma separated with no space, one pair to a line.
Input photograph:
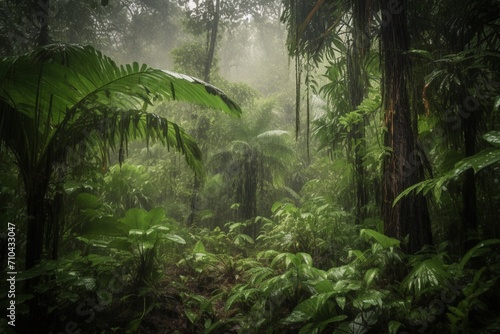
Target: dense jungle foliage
[278,166]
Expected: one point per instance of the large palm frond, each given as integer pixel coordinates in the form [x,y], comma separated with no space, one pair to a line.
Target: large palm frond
[67,93]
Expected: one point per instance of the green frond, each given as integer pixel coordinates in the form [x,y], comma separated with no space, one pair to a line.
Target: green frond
[74,77]
[67,94]
[115,128]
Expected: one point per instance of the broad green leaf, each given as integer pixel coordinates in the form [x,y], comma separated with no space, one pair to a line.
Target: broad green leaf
[242,239]
[101,226]
[324,286]
[306,258]
[308,308]
[496,106]
[100,259]
[192,316]
[340,301]
[136,232]
[370,275]
[175,238]
[393,327]
[135,219]
[87,201]
[368,298]
[492,137]
[120,244]
[334,319]
[382,239]
[199,247]
[154,216]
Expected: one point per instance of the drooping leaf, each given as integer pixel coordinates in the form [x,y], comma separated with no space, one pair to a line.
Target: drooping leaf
[308,308]
[477,162]
[476,250]
[175,238]
[426,274]
[382,239]
[492,137]
[62,95]
[370,275]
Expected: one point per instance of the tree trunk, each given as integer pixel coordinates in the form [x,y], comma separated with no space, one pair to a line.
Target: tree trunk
[249,185]
[36,212]
[357,53]
[469,200]
[213,39]
[402,168]
[41,9]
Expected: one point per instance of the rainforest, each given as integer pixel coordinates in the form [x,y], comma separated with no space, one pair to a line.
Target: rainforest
[250,166]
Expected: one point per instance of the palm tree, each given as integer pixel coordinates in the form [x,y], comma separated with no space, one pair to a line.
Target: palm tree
[249,166]
[62,96]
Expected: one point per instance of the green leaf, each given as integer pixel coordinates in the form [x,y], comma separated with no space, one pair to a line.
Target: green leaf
[175,238]
[242,239]
[136,232]
[478,161]
[306,258]
[154,216]
[496,106]
[192,316]
[370,275]
[477,249]
[324,286]
[393,327]
[59,95]
[101,226]
[199,247]
[341,300]
[308,308]
[429,273]
[276,206]
[423,53]
[382,239]
[87,201]
[135,219]
[492,137]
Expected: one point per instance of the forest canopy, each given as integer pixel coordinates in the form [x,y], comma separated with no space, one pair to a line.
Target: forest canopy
[277,166]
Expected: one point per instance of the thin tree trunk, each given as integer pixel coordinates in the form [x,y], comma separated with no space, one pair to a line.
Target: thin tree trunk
[359,48]
[410,216]
[469,200]
[213,39]
[41,15]
[34,247]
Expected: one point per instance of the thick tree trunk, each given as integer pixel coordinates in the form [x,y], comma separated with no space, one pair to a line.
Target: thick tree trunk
[402,168]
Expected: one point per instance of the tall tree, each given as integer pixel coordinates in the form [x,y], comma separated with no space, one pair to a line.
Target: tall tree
[313,31]
[357,51]
[459,90]
[409,217]
[58,97]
